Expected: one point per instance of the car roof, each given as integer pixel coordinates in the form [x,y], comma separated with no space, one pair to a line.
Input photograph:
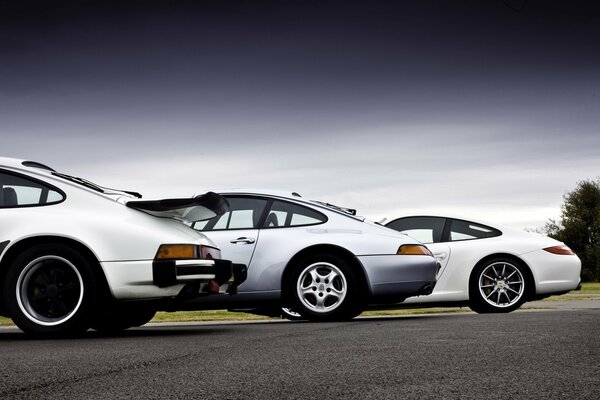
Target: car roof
[24,164]
[288,195]
[261,192]
[448,216]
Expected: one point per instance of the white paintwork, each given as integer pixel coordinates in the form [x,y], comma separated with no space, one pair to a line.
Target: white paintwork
[552,273]
[124,240]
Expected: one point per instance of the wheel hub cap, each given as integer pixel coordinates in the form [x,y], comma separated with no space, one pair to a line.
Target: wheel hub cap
[501,284]
[49,290]
[321,287]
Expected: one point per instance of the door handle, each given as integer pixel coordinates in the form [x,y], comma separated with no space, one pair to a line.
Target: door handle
[243,240]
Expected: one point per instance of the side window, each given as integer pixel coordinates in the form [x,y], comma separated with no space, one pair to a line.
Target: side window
[423,229]
[243,213]
[284,214]
[465,230]
[18,191]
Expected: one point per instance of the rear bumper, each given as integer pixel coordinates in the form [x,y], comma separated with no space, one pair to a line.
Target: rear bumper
[394,277]
[553,273]
[170,272]
[153,279]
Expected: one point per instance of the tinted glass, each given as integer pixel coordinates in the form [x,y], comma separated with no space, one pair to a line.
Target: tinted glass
[465,230]
[18,191]
[284,214]
[243,213]
[423,229]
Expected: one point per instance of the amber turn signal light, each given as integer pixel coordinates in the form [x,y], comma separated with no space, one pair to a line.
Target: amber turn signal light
[560,249]
[413,250]
[176,251]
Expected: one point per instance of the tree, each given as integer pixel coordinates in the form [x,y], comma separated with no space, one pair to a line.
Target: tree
[579,226]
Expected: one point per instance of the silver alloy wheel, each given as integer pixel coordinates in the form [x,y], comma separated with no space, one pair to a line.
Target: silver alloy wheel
[321,287]
[501,284]
[289,312]
[49,290]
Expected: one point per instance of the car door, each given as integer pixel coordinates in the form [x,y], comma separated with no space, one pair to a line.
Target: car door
[427,230]
[236,232]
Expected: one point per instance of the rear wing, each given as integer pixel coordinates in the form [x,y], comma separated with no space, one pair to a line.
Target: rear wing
[193,209]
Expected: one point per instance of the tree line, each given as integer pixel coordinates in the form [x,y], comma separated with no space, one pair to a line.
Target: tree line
[579,227]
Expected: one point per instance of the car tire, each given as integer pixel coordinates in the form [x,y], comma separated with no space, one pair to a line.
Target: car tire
[324,288]
[290,314]
[50,289]
[122,316]
[498,286]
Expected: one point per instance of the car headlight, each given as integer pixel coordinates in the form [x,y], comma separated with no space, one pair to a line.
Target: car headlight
[186,252]
[413,250]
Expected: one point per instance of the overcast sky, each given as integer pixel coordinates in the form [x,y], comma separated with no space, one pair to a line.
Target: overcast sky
[482,108]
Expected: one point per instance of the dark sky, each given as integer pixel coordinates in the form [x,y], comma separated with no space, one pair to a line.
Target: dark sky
[483,106]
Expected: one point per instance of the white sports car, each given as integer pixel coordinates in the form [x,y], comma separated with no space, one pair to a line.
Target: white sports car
[320,260]
[75,255]
[492,269]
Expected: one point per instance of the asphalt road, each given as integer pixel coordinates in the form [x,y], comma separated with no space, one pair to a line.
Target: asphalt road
[526,354]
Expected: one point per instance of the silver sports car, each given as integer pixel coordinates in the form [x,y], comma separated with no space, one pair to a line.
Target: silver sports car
[320,260]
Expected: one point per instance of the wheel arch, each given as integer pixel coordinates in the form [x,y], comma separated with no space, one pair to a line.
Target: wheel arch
[335,250]
[16,248]
[530,289]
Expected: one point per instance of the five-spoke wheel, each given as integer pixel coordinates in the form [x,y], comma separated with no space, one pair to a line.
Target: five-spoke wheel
[50,289]
[324,287]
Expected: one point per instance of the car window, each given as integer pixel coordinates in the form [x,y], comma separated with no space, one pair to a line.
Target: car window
[19,191]
[423,229]
[284,214]
[465,230]
[244,213]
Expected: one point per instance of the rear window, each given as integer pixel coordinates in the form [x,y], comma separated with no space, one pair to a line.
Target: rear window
[19,191]
[283,214]
[465,230]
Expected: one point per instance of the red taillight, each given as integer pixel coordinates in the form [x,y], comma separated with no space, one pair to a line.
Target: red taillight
[560,249]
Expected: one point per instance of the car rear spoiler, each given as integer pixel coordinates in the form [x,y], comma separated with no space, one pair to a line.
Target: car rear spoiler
[193,209]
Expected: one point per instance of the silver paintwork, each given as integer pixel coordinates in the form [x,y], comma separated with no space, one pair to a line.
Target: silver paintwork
[268,251]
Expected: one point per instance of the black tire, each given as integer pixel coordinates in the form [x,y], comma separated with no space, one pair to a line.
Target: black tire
[119,317]
[49,290]
[324,288]
[498,286]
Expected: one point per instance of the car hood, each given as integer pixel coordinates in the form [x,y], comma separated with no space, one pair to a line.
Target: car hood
[199,208]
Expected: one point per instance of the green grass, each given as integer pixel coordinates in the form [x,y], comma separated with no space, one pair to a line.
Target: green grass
[212,315]
[589,287]
[589,291]
[413,311]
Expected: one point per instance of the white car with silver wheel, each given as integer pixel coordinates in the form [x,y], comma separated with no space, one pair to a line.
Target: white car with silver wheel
[490,268]
[320,260]
[75,255]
